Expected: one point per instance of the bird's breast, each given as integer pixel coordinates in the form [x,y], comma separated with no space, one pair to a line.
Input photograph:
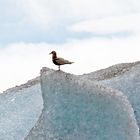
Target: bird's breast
[55,62]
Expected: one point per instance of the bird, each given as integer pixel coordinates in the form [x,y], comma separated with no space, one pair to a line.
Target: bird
[58,60]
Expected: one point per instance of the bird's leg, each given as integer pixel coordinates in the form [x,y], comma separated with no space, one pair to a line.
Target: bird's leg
[59,67]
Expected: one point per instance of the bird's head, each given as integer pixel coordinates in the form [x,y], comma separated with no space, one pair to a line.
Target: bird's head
[53,52]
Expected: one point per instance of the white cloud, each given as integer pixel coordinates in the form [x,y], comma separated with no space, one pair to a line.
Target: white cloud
[21,62]
[45,13]
[129,23]
[32,20]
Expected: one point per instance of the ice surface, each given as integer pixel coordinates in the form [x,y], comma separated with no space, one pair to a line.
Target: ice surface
[19,111]
[129,84]
[76,109]
[110,72]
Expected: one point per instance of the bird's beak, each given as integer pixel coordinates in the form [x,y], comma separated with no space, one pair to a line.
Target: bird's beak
[50,53]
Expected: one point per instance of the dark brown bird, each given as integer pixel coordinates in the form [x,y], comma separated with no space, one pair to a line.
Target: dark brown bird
[59,61]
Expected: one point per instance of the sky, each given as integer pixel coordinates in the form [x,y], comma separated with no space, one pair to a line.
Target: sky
[94,34]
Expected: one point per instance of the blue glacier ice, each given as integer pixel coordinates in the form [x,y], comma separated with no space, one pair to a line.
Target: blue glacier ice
[129,84]
[110,72]
[78,109]
[19,111]
[74,106]
[124,77]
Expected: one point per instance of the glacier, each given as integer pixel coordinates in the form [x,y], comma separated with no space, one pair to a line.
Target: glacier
[19,111]
[129,84]
[101,105]
[77,109]
[122,77]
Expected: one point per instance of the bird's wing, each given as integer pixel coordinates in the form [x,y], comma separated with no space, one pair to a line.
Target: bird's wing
[61,61]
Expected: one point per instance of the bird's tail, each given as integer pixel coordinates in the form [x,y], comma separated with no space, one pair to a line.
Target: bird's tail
[71,62]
